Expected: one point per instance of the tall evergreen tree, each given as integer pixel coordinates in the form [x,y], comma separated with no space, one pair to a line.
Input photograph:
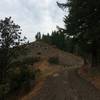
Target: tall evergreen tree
[83,23]
[38,36]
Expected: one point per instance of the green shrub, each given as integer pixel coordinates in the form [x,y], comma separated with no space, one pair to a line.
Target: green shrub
[19,75]
[4,90]
[53,60]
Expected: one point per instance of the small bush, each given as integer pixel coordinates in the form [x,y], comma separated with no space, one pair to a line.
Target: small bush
[4,90]
[15,63]
[19,75]
[53,60]
[30,60]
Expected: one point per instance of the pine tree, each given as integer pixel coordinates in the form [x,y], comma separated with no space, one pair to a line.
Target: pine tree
[83,23]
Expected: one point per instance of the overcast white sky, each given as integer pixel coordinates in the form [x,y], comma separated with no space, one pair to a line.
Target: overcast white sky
[33,15]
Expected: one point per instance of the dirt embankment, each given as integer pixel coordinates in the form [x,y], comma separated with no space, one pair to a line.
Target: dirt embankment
[46,70]
[91,74]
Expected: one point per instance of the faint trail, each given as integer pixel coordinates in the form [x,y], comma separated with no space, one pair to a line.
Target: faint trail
[67,85]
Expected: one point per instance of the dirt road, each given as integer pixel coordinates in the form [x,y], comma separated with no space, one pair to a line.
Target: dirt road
[67,85]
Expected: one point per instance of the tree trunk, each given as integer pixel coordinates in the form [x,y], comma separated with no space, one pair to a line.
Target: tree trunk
[3,63]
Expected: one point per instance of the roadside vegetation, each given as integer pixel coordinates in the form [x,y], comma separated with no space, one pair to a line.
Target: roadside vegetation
[53,60]
[15,72]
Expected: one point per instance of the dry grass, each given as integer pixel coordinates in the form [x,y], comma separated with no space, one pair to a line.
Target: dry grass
[91,74]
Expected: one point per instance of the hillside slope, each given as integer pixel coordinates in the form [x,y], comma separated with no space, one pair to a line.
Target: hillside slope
[45,51]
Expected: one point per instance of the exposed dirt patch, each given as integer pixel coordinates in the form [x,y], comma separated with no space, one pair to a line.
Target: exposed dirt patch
[34,91]
[46,70]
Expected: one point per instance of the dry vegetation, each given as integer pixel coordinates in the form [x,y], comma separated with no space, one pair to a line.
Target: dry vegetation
[91,74]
